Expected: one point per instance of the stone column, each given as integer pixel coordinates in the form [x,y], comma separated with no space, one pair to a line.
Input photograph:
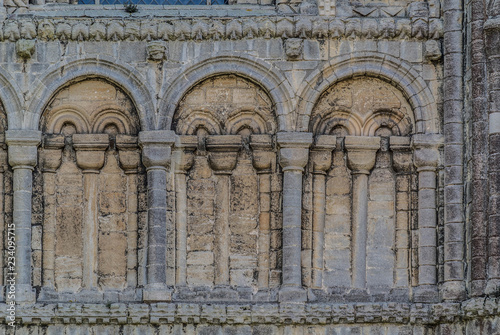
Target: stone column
[182,161]
[130,161]
[294,152]
[223,155]
[402,162]
[263,159]
[361,155]
[426,160]
[22,157]
[51,157]
[321,161]
[90,149]
[156,149]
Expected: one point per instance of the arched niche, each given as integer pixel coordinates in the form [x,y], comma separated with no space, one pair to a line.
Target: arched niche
[361,106]
[370,171]
[92,180]
[225,105]
[227,232]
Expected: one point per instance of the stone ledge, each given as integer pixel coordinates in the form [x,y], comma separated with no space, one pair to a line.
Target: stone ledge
[260,313]
[66,28]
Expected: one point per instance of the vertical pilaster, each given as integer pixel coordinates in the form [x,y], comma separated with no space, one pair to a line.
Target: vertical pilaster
[263,159]
[90,149]
[50,162]
[402,162]
[3,164]
[156,149]
[182,160]
[321,160]
[453,128]
[130,160]
[426,160]
[361,154]
[294,153]
[223,155]
[23,157]
[492,38]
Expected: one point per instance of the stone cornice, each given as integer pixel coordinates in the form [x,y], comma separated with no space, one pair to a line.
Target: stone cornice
[256,313]
[198,29]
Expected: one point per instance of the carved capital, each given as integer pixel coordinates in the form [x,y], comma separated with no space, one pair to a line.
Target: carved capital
[23,147]
[294,150]
[128,153]
[223,152]
[156,147]
[50,158]
[321,153]
[262,152]
[183,155]
[402,159]
[361,153]
[426,151]
[90,150]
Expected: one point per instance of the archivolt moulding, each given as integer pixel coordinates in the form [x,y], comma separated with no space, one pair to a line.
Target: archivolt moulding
[371,64]
[67,72]
[257,71]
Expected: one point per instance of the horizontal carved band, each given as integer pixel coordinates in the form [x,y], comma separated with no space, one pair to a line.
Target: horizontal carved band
[219,29]
[271,313]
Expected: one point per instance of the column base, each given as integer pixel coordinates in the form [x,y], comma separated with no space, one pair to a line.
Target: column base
[426,293]
[25,294]
[453,291]
[156,293]
[492,287]
[292,294]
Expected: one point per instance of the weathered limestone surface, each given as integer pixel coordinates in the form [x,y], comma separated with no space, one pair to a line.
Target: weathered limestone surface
[297,167]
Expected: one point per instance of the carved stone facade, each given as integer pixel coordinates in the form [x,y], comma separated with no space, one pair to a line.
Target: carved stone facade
[298,167]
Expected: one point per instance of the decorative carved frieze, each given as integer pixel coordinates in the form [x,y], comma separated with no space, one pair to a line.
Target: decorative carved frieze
[197,29]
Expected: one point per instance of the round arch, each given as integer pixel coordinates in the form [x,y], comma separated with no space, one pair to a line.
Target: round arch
[11,99]
[259,72]
[63,74]
[390,69]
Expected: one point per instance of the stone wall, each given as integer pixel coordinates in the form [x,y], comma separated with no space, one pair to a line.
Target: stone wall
[293,168]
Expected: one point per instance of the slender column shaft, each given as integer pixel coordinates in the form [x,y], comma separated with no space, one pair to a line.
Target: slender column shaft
[23,181]
[181,227]
[49,229]
[23,157]
[427,218]
[222,159]
[132,230]
[359,225]
[264,228]
[90,217]
[156,151]
[294,154]
[263,159]
[319,208]
[2,225]
[292,210]
[361,154]
[157,216]
[222,229]
[426,159]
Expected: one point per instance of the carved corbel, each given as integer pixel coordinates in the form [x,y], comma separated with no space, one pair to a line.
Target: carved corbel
[51,155]
[223,152]
[263,154]
[90,150]
[128,153]
[402,159]
[321,153]
[183,155]
[426,151]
